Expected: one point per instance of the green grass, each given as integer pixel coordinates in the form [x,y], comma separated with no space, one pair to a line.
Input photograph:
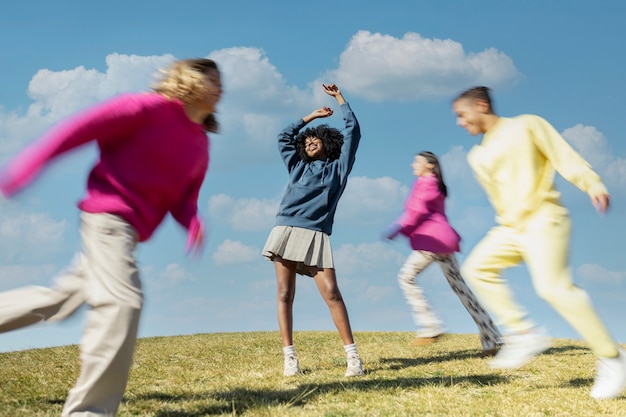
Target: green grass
[240,374]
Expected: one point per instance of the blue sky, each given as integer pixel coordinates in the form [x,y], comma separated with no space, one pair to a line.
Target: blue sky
[399,63]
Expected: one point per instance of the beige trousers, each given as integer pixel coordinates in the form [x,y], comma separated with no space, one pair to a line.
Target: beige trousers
[543,245]
[105,276]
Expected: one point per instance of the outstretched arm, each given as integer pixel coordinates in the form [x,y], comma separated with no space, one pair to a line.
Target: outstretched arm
[113,120]
[569,163]
[351,131]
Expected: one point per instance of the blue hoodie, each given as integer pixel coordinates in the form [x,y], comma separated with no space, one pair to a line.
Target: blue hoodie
[314,187]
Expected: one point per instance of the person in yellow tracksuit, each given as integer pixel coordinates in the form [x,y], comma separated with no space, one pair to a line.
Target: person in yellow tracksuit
[515,163]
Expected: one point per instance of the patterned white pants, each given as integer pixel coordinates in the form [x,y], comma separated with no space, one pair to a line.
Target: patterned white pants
[424,315]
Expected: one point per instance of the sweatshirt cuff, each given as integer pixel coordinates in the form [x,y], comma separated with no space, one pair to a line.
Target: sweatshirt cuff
[597,189]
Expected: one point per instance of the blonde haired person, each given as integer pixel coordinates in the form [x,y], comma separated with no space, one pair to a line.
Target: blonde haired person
[154,154]
[515,164]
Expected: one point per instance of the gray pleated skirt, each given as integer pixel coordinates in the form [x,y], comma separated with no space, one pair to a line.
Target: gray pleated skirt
[310,249]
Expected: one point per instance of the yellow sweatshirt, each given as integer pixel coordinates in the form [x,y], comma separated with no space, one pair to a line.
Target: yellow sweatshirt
[515,164]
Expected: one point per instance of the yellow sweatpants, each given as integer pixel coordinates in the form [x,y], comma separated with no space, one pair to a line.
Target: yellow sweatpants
[543,245]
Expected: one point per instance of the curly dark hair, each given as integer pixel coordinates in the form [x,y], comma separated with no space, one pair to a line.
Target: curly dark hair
[331,138]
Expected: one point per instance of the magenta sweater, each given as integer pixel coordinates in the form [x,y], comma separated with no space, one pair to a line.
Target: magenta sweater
[424,220]
[153,160]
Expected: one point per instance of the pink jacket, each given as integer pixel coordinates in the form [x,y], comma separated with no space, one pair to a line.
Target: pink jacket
[153,160]
[424,220]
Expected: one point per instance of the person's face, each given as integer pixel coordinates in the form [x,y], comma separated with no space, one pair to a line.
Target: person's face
[421,166]
[314,148]
[470,115]
[213,91]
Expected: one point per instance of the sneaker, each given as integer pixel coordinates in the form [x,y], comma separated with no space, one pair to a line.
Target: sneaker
[292,367]
[520,348]
[355,366]
[610,377]
[425,341]
[489,353]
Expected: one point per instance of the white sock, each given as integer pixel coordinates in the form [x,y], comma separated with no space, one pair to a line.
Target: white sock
[289,350]
[350,349]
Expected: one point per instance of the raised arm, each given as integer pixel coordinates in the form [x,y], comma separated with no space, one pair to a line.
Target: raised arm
[287,138]
[351,131]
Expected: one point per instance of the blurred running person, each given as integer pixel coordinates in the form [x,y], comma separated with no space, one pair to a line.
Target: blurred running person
[432,239]
[154,154]
[515,164]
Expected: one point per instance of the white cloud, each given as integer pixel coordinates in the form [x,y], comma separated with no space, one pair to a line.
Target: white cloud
[381,67]
[12,276]
[594,147]
[597,273]
[246,214]
[367,198]
[235,252]
[376,294]
[455,165]
[255,103]
[59,93]
[28,236]
[37,228]
[175,273]
[367,258]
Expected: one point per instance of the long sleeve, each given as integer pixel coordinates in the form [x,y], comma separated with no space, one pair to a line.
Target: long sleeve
[425,192]
[351,139]
[287,144]
[107,122]
[565,160]
[515,164]
[185,213]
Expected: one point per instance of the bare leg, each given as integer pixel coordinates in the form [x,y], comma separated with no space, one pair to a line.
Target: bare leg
[286,292]
[326,281]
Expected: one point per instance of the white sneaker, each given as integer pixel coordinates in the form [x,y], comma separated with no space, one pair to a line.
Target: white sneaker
[355,366]
[520,348]
[292,367]
[610,377]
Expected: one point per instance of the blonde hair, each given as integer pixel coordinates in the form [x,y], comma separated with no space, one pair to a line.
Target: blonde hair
[184,80]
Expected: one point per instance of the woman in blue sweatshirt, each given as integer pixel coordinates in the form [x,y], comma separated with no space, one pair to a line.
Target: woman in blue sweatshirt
[319,160]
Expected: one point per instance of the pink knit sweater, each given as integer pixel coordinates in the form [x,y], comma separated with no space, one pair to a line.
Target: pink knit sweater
[424,220]
[153,160]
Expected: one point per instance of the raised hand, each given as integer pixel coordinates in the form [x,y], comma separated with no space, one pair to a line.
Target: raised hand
[316,114]
[333,90]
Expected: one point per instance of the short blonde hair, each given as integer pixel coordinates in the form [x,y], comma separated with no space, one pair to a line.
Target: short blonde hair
[184,80]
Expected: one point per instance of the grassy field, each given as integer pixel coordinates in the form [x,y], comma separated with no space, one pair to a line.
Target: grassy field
[240,374]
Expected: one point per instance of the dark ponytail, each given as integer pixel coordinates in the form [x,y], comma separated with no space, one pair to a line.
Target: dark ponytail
[432,159]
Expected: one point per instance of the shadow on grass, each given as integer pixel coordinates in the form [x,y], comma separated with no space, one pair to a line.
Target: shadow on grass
[404,362]
[240,400]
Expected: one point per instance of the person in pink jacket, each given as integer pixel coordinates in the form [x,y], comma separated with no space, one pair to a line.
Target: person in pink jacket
[432,239]
[153,157]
